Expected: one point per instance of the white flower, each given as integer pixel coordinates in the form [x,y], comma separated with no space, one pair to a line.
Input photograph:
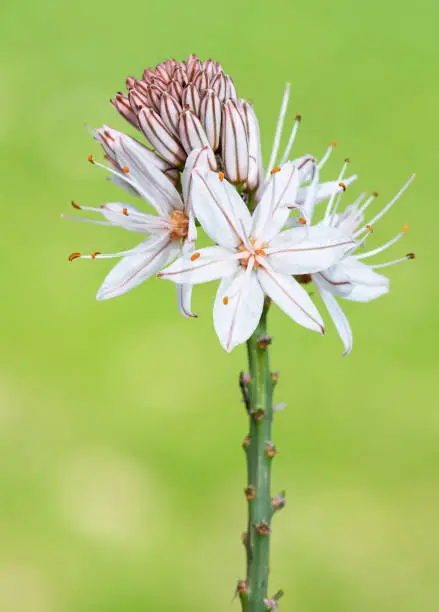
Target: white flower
[350,278]
[171,231]
[252,257]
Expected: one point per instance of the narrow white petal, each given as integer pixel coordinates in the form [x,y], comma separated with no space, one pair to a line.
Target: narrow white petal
[219,209]
[184,298]
[272,211]
[307,250]
[291,298]
[255,170]
[131,218]
[135,268]
[199,158]
[203,266]
[238,308]
[338,316]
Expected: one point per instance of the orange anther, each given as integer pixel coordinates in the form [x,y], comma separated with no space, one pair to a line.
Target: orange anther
[90,158]
[411,256]
[125,212]
[74,256]
[93,255]
[225,300]
[343,186]
[302,220]
[221,176]
[126,169]
[348,160]
[370,228]
[76,205]
[332,144]
[375,194]
[276,169]
[405,229]
[298,117]
[195,256]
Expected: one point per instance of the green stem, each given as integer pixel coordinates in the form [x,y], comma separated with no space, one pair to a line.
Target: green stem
[259,469]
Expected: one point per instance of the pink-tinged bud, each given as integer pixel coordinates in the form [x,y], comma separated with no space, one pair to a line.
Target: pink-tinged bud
[234,143]
[201,80]
[254,146]
[193,65]
[210,116]
[191,98]
[219,85]
[142,87]
[211,68]
[170,66]
[129,81]
[123,106]
[176,90]
[148,74]
[180,76]
[155,131]
[162,73]
[137,100]
[193,136]
[170,111]
[155,93]
[230,89]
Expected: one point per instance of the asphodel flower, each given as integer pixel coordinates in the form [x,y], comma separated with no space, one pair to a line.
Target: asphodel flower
[253,257]
[182,106]
[171,231]
[352,278]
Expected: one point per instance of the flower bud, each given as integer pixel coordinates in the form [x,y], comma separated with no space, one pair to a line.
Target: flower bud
[191,98]
[148,74]
[175,89]
[137,100]
[155,93]
[219,85]
[170,111]
[155,131]
[193,65]
[210,116]
[230,88]
[123,106]
[192,135]
[180,76]
[254,146]
[201,80]
[234,143]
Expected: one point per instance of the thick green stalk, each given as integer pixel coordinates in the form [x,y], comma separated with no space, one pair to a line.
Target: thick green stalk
[260,452]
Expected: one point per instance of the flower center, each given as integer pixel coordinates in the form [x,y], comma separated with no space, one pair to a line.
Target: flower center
[253,253]
[179,222]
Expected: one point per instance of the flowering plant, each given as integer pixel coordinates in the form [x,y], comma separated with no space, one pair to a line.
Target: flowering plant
[205,170]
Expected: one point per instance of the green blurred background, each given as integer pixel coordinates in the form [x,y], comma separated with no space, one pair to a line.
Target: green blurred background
[120,422]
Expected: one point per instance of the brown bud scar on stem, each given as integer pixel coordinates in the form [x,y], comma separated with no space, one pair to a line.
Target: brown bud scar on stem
[245,378]
[221,176]
[125,212]
[91,158]
[343,186]
[274,376]
[276,169]
[270,450]
[264,341]
[250,492]
[195,256]
[244,538]
[225,300]
[278,502]
[246,442]
[263,528]
[75,205]
[258,414]
[242,587]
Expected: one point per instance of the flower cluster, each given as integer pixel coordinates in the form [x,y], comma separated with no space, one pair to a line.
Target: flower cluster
[206,170]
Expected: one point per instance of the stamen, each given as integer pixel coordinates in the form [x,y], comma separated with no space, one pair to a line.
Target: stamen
[369,227]
[343,186]
[325,157]
[395,261]
[225,300]
[81,220]
[221,176]
[332,198]
[291,139]
[74,256]
[195,256]
[279,127]
[93,255]
[75,205]
[302,220]
[369,201]
[275,169]
[385,246]
[91,158]
[125,212]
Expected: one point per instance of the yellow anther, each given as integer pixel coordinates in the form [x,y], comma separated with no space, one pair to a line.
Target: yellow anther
[195,256]
[302,220]
[125,169]
[225,300]
[91,159]
[276,169]
[125,212]
[221,176]
[405,229]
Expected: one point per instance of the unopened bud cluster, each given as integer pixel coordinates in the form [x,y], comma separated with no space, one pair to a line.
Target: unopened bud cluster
[182,106]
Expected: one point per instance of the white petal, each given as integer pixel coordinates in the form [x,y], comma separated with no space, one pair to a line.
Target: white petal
[199,158]
[184,297]
[134,269]
[272,211]
[255,170]
[131,218]
[153,183]
[203,266]
[238,308]
[219,208]
[291,298]
[355,281]
[338,316]
[305,250]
